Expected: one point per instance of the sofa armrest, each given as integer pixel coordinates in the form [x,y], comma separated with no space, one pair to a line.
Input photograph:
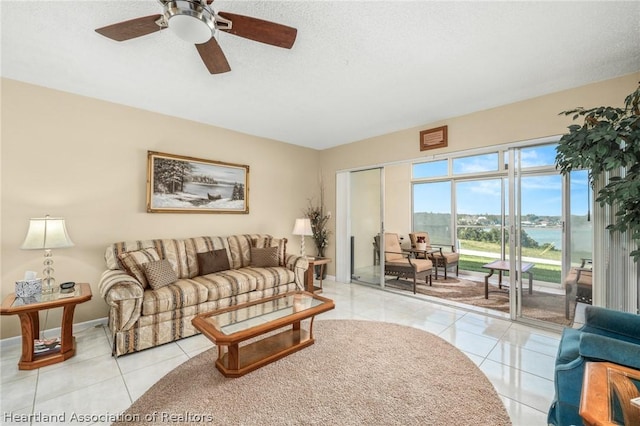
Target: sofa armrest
[123,293]
[299,266]
[612,323]
[594,346]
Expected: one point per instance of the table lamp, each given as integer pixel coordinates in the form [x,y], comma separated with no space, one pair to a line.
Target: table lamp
[302,227]
[47,233]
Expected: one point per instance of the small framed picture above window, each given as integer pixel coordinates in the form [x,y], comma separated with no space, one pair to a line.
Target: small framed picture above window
[433,138]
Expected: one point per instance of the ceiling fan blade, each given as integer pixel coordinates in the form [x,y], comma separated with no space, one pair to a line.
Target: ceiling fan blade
[131,29]
[258,30]
[213,57]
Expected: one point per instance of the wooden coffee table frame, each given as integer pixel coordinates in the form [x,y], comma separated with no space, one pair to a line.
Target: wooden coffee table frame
[235,360]
[30,325]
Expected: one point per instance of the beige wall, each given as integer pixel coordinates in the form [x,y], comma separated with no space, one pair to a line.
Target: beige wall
[530,119]
[85,160]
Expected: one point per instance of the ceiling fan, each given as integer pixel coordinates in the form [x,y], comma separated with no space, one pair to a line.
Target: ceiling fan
[196,21]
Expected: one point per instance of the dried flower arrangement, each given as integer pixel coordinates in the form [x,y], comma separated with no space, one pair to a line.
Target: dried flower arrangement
[319,219]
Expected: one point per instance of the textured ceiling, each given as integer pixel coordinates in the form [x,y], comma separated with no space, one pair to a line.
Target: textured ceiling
[358,68]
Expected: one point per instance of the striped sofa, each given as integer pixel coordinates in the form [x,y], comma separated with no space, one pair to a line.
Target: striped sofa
[142,315]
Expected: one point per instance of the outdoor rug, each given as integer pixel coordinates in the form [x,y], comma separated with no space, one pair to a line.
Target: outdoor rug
[356,373]
[539,305]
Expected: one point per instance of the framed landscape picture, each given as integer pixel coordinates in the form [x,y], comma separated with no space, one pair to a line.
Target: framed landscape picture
[177,184]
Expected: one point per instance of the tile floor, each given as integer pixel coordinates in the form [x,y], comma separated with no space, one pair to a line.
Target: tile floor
[517,359]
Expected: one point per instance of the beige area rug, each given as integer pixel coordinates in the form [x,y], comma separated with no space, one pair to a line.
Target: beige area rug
[539,305]
[356,373]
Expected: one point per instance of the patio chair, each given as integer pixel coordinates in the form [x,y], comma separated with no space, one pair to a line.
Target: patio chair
[441,258]
[402,264]
[578,285]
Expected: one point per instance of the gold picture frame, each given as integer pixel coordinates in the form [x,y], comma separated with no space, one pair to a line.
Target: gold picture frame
[433,138]
[179,184]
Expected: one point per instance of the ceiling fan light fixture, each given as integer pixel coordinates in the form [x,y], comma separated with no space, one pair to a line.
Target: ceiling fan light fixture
[190,20]
[197,22]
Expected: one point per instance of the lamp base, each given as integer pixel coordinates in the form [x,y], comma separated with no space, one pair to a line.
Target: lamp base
[49,290]
[48,286]
[302,254]
[48,282]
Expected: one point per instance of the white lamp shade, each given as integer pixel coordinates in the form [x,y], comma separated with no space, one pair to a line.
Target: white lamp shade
[302,227]
[46,233]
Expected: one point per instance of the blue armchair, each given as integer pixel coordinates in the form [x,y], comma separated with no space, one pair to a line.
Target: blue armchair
[607,335]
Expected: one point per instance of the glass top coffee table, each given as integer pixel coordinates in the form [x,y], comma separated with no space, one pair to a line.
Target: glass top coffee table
[229,327]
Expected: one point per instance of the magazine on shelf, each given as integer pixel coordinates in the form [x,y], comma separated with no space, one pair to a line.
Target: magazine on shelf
[41,346]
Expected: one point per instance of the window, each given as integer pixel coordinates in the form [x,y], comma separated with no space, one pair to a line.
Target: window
[536,156]
[475,164]
[479,220]
[431,169]
[463,200]
[432,210]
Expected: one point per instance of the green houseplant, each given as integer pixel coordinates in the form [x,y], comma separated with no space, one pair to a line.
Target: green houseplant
[608,141]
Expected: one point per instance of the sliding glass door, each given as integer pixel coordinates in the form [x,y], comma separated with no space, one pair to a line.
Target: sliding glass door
[578,237]
[510,204]
[551,231]
[507,205]
[540,230]
[580,231]
[366,226]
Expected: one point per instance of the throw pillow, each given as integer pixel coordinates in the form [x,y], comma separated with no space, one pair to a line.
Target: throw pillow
[264,257]
[133,261]
[280,243]
[213,261]
[159,273]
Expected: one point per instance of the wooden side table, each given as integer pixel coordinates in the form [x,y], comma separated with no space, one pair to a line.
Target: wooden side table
[309,277]
[603,380]
[28,311]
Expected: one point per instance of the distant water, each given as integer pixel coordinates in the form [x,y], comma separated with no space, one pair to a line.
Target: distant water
[581,237]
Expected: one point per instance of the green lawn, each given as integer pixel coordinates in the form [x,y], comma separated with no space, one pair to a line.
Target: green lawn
[541,272]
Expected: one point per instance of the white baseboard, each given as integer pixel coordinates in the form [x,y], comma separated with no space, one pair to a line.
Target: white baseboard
[77,328]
